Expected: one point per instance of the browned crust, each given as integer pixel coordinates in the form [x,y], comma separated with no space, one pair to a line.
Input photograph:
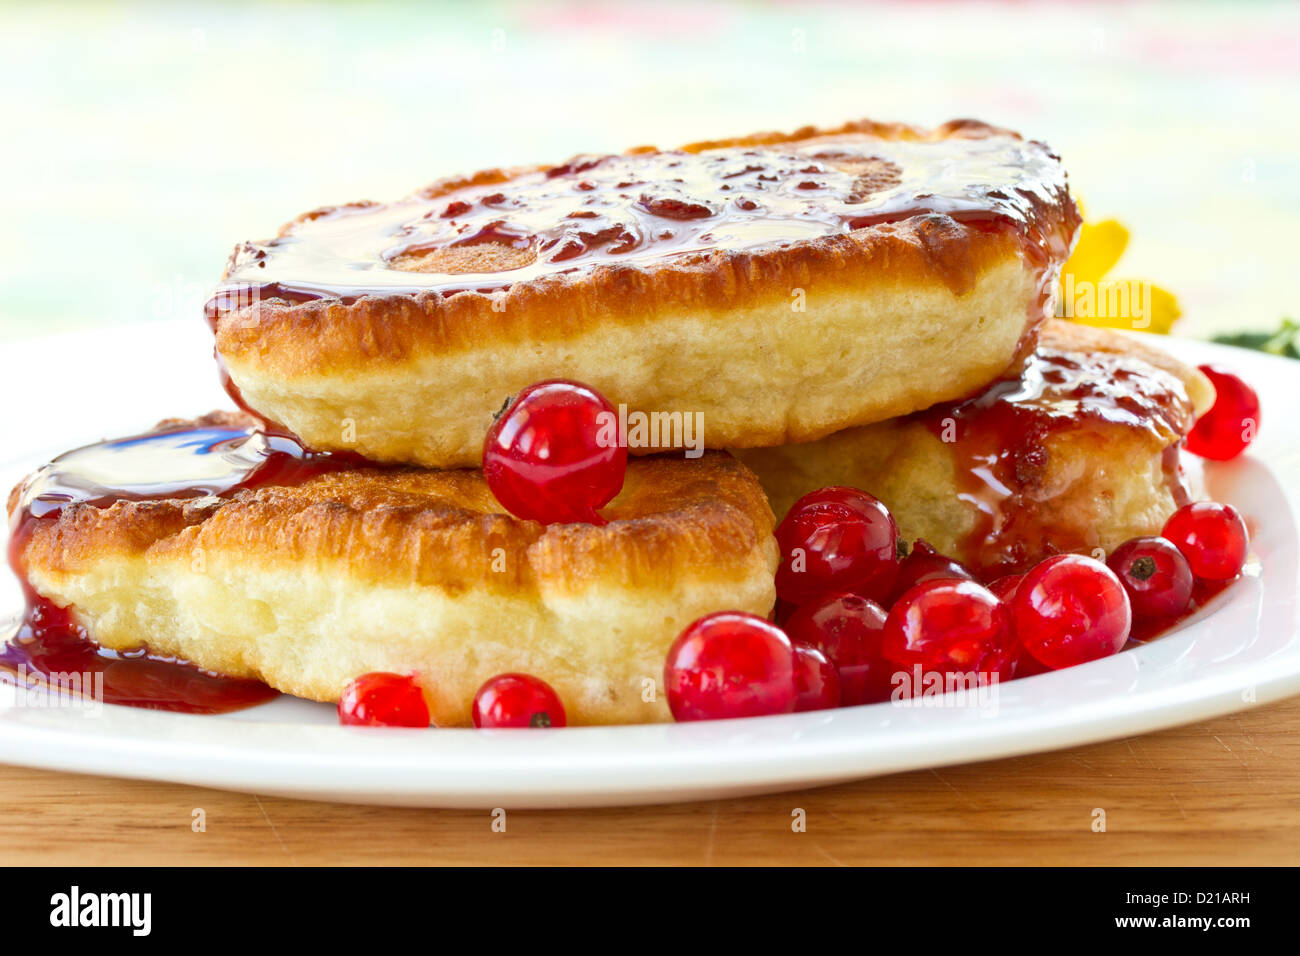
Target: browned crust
[292,340]
[674,518]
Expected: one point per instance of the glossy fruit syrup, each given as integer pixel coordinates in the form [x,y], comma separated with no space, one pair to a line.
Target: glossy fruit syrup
[50,650]
[636,208]
[1000,439]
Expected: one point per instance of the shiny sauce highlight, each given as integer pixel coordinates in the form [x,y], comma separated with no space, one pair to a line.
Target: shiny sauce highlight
[633,209]
[1000,439]
[50,650]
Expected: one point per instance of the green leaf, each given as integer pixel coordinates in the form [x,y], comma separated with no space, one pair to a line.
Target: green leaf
[1285,341]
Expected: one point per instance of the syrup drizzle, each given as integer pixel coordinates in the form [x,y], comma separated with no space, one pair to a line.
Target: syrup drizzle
[51,654]
[626,209]
[205,461]
[999,437]
[50,650]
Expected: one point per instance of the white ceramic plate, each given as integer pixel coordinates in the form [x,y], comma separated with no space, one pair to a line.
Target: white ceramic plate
[1242,650]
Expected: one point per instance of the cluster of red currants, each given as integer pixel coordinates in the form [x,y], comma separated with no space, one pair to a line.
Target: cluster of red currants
[837,645]
[855,615]
[843,564]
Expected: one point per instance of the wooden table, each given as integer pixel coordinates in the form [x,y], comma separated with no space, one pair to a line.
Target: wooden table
[1226,791]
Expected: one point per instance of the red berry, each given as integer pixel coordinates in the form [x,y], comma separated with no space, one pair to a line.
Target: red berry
[837,539]
[816,682]
[730,664]
[924,563]
[1070,609]
[950,626]
[1004,587]
[555,454]
[517,700]
[1156,576]
[1212,537]
[846,628]
[380,699]
[1232,421]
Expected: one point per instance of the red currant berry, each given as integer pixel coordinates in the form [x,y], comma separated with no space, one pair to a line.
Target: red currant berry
[730,664]
[379,699]
[1156,576]
[846,628]
[1004,587]
[1232,421]
[837,539]
[554,454]
[950,626]
[816,682]
[1070,609]
[1212,537]
[517,700]
[924,563]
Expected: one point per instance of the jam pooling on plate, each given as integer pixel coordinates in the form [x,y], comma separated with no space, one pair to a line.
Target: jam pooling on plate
[52,653]
[1000,440]
[205,462]
[633,208]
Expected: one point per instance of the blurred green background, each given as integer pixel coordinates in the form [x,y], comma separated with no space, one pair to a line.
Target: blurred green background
[142,141]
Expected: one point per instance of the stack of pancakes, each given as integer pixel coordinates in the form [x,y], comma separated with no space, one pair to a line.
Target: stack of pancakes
[865,306]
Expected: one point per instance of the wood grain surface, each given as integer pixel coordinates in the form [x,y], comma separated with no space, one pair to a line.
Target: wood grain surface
[1226,791]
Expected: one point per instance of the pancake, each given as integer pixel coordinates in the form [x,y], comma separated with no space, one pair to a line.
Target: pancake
[254,559]
[781,287]
[1080,452]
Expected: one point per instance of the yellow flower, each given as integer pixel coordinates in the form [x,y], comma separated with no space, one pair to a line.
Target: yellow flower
[1088,297]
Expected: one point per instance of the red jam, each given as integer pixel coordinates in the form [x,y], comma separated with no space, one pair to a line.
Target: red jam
[49,648]
[50,652]
[625,209]
[999,439]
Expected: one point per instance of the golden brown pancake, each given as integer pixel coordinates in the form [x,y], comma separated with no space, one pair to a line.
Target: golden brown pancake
[783,286]
[308,579]
[1078,453]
